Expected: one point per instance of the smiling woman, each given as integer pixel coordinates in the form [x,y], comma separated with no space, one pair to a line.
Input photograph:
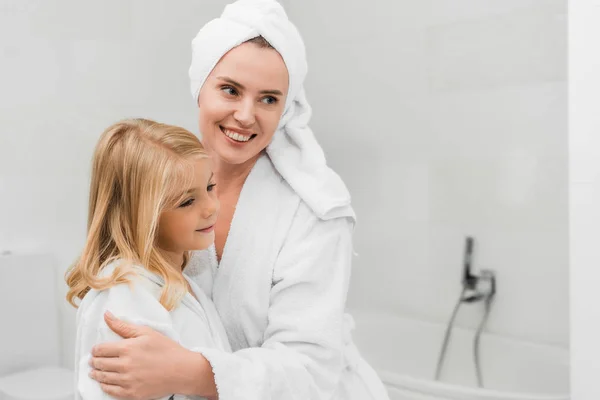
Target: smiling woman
[241,103]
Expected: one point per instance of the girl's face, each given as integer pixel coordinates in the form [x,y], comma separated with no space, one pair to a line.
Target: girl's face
[241,103]
[190,225]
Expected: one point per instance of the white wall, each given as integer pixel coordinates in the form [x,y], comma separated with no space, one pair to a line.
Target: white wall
[584,207]
[68,70]
[448,118]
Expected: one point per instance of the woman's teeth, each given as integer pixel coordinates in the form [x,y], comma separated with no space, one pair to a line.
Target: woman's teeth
[236,136]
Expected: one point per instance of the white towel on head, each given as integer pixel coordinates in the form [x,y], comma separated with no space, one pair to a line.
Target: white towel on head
[294,151]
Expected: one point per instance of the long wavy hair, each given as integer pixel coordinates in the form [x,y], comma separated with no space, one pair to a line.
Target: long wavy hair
[140,168]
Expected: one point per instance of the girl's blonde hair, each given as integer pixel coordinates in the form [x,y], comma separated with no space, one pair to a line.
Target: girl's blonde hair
[140,168]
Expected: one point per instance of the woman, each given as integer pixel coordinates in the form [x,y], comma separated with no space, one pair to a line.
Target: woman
[279,271]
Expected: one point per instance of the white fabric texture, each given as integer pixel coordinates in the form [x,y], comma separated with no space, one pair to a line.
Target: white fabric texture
[280,289]
[193,323]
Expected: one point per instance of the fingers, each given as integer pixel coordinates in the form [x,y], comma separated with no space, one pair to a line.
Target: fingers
[112,364]
[123,329]
[114,391]
[107,378]
[110,349]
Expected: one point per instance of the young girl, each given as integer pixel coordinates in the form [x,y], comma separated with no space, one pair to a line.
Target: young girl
[152,201]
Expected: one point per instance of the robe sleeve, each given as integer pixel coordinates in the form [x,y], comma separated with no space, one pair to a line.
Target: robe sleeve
[133,303]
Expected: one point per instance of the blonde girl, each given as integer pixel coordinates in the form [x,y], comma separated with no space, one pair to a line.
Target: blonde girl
[152,201]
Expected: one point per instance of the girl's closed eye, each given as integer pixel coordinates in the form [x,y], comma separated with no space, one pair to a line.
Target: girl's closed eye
[187,203]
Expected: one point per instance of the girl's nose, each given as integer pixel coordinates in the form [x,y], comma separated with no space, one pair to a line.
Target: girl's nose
[210,209]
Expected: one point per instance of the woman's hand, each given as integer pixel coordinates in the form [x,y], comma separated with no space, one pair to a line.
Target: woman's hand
[146,364]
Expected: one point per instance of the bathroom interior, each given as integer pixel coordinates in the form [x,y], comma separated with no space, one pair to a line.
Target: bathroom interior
[447,119]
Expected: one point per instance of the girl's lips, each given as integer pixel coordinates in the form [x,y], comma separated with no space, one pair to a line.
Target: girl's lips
[206,230]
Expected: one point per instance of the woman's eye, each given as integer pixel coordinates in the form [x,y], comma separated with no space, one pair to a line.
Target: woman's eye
[229,90]
[187,203]
[270,100]
[211,187]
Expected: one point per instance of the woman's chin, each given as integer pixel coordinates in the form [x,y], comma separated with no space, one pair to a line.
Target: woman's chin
[236,156]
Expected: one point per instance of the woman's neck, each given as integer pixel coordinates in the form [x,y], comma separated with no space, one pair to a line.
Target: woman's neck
[231,177]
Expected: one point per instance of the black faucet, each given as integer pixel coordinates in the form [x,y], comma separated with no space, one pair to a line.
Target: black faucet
[469,280]
[476,287]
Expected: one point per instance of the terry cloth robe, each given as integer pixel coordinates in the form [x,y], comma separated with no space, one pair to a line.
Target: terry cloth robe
[194,323]
[280,290]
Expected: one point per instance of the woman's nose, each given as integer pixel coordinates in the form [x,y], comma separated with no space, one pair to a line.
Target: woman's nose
[245,113]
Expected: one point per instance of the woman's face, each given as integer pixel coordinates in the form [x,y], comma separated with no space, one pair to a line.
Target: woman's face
[241,103]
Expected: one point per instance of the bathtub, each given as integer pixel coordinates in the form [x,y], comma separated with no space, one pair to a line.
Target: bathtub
[404,352]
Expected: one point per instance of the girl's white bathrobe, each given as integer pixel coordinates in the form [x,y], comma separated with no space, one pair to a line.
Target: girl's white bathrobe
[280,290]
[194,323]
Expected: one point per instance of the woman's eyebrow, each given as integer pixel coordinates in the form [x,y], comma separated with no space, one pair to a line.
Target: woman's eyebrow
[234,83]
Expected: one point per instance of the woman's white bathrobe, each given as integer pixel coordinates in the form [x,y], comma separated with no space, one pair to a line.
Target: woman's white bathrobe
[194,323]
[281,285]
[280,290]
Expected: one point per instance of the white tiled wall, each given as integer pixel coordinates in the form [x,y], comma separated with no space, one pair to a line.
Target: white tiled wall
[517,48]
[449,118]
